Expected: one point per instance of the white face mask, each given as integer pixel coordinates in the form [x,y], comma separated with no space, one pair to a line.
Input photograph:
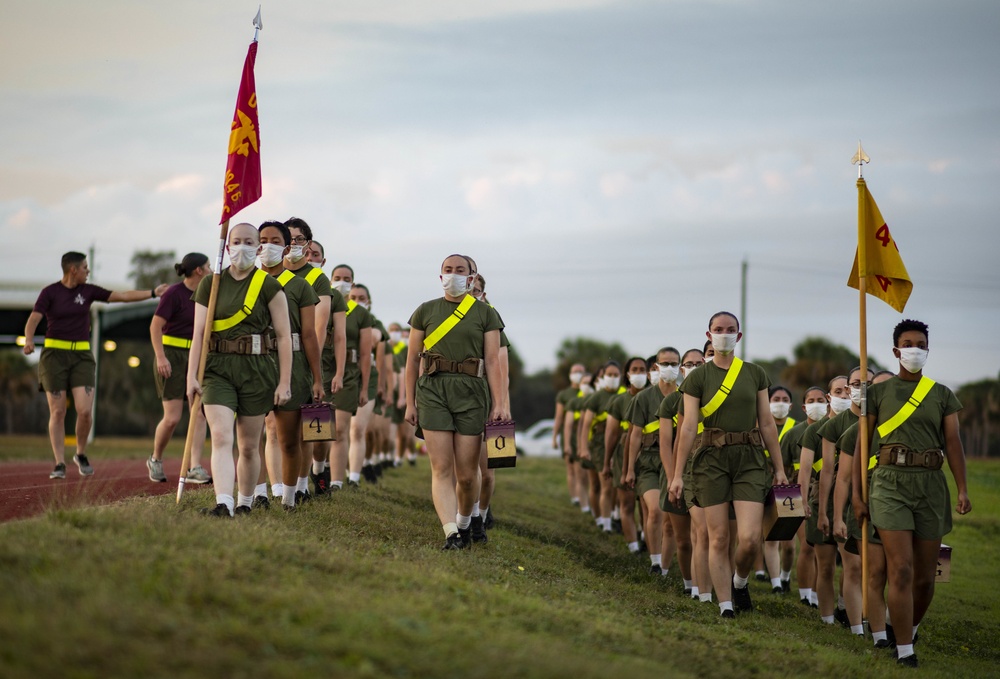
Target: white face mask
[856,396]
[779,409]
[395,336]
[913,358]
[669,373]
[724,344]
[315,265]
[611,382]
[366,305]
[296,253]
[839,405]
[708,359]
[575,377]
[816,411]
[455,285]
[343,287]
[654,377]
[637,380]
[242,256]
[586,389]
[270,254]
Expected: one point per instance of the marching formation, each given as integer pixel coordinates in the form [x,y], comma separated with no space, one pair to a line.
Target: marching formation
[692,444]
[679,451]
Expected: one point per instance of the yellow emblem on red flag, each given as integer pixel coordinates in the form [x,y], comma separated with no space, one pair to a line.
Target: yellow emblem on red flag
[882,265]
[243,185]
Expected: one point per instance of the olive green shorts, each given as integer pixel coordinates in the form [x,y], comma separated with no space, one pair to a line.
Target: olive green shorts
[596,448]
[911,498]
[730,473]
[617,467]
[244,384]
[373,387]
[62,370]
[301,383]
[347,398]
[814,536]
[647,471]
[452,402]
[574,455]
[173,388]
[351,371]
[665,503]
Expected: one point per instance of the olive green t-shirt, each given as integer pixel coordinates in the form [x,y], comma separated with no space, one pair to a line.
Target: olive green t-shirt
[357,319]
[599,401]
[849,440]
[924,429]
[566,395]
[466,338]
[321,284]
[739,411]
[618,406]
[232,294]
[670,406]
[791,444]
[300,294]
[812,440]
[377,324]
[645,407]
[835,426]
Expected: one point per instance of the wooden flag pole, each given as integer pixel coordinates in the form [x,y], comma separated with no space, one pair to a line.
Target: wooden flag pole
[205,338]
[863,435]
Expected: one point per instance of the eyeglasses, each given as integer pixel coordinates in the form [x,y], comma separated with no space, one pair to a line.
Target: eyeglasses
[856,385]
[300,240]
[690,364]
[668,364]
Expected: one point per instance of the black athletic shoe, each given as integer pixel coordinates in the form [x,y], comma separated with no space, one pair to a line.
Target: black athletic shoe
[413,462]
[786,585]
[300,497]
[261,502]
[59,472]
[477,531]
[320,487]
[890,634]
[368,473]
[655,570]
[687,591]
[777,590]
[883,643]
[454,541]
[908,661]
[466,535]
[728,613]
[616,525]
[242,510]
[741,599]
[840,615]
[378,469]
[805,601]
[221,511]
[488,521]
[760,577]
[812,605]
[289,509]
[353,485]
[642,547]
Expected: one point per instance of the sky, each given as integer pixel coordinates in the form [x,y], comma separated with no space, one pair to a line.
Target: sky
[609,164]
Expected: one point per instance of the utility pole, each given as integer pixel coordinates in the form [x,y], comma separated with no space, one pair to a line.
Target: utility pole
[743,308]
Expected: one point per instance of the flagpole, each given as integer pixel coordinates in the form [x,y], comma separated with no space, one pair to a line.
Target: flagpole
[209,318]
[863,435]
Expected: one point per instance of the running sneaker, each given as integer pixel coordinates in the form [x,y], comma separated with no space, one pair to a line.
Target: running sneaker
[242,510]
[353,485]
[840,615]
[368,472]
[59,472]
[656,570]
[477,531]
[319,484]
[83,465]
[454,541]
[197,475]
[908,661]
[155,468]
[489,521]
[466,535]
[883,643]
[786,585]
[261,502]
[220,511]
[741,599]
[728,613]
[760,576]
[777,590]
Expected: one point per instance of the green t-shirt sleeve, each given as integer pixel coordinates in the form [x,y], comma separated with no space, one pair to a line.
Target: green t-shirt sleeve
[204,290]
[337,301]
[309,296]
[365,320]
[847,440]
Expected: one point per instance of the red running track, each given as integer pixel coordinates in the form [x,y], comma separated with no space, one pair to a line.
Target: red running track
[26,489]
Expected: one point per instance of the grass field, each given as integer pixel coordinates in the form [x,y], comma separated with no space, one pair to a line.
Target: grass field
[357,586]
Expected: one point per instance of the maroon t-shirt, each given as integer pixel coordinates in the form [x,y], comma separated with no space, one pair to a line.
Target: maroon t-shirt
[67,310]
[176,307]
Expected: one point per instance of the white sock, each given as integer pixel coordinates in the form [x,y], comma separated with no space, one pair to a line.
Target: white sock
[840,602]
[319,466]
[804,593]
[302,484]
[226,500]
[858,629]
[244,500]
[813,598]
[354,476]
[336,484]
[738,582]
[475,509]
[607,525]
[485,512]
[449,529]
[694,593]
[260,489]
[706,597]
[575,501]
[786,575]
[616,513]
[759,574]
[828,619]
[725,606]
[633,547]
[879,636]
[888,620]
[288,499]
[278,489]
[654,559]
[462,521]
[904,650]
[585,508]
[687,585]
[915,630]
[775,582]
[664,572]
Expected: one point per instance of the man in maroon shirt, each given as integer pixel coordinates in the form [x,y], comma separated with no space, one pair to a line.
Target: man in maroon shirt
[67,362]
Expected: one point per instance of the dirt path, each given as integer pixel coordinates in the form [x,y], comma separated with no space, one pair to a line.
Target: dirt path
[26,490]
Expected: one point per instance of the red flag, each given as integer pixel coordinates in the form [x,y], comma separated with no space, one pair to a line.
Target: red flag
[242,185]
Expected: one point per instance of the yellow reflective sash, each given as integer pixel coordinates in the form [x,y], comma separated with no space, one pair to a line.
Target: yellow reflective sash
[651,427]
[449,323]
[818,465]
[723,392]
[601,417]
[622,390]
[789,423]
[351,306]
[399,346]
[624,425]
[66,344]
[872,462]
[894,422]
[180,342]
[253,292]
[796,466]
[284,277]
[313,275]
[701,425]
[576,413]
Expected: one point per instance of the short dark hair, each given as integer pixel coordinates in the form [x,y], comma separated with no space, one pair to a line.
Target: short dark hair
[322,250]
[704,349]
[629,362]
[72,259]
[468,262]
[883,372]
[908,325]
[300,224]
[776,388]
[829,386]
[280,226]
[610,363]
[342,266]
[805,394]
[662,349]
[856,369]
[724,313]
[192,261]
[365,288]
[697,351]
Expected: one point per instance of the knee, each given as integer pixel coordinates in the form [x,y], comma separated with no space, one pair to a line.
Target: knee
[57,411]
[901,574]
[171,421]
[718,543]
[84,417]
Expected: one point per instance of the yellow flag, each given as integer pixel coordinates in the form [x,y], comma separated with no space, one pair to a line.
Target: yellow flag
[883,267]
